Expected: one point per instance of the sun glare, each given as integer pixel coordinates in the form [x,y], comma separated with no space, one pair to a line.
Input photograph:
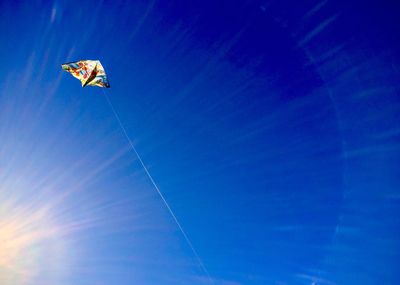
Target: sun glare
[25,233]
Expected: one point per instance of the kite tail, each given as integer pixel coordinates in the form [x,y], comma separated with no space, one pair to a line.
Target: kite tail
[158,190]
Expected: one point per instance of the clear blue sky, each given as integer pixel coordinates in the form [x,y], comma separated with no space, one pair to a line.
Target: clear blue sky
[271,127]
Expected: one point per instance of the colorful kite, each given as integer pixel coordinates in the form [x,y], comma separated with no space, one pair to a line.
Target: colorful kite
[89,72]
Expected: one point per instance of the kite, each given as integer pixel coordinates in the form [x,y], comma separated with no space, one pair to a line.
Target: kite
[89,72]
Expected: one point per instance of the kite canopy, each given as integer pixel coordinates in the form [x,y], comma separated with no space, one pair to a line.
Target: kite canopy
[89,72]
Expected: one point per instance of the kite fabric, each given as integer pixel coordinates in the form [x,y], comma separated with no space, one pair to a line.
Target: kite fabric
[89,72]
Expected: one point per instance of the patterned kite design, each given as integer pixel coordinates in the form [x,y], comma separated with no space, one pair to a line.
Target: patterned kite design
[89,72]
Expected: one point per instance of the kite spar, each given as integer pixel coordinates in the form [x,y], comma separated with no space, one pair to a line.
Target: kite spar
[92,73]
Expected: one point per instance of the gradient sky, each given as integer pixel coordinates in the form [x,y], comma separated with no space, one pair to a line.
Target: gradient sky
[271,127]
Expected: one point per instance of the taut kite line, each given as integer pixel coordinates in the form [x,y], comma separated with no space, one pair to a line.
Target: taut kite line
[92,73]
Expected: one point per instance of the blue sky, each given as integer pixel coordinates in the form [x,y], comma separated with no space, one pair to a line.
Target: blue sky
[271,127]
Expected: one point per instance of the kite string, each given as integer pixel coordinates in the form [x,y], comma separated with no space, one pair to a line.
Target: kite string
[158,190]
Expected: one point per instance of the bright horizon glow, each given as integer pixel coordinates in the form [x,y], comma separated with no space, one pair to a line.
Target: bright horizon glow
[22,233]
